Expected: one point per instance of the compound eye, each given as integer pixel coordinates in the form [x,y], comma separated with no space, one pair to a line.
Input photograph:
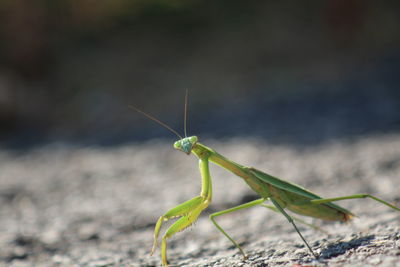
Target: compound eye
[193,140]
[177,145]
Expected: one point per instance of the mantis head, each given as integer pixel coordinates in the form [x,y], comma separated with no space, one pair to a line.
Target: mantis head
[186,144]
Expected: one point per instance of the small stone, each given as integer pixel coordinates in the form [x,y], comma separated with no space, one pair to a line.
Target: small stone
[375,261]
[88,232]
[50,237]
[59,259]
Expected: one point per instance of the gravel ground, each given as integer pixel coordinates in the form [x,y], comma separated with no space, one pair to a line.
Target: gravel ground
[66,205]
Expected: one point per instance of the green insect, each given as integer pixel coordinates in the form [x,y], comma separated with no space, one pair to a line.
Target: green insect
[282,194]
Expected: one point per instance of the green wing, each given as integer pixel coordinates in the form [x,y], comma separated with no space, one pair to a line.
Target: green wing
[291,187]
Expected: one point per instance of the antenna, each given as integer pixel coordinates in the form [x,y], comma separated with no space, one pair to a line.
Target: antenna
[157,121]
[185,114]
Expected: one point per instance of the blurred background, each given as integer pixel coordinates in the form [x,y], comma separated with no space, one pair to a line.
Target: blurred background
[305,90]
[285,71]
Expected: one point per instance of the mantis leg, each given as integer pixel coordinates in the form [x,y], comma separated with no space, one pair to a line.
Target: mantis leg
[281,210]
[189,211]
[325,200]
[297,219]
[243,206]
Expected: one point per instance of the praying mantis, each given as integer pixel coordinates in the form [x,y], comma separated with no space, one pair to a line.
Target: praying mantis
[282,194]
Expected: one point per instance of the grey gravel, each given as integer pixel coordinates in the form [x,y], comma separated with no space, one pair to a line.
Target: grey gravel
[66,205]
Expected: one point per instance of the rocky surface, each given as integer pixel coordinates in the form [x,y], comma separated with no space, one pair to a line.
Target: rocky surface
[66,205]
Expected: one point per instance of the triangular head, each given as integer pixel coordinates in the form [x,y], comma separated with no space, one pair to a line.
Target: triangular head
[186,144]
